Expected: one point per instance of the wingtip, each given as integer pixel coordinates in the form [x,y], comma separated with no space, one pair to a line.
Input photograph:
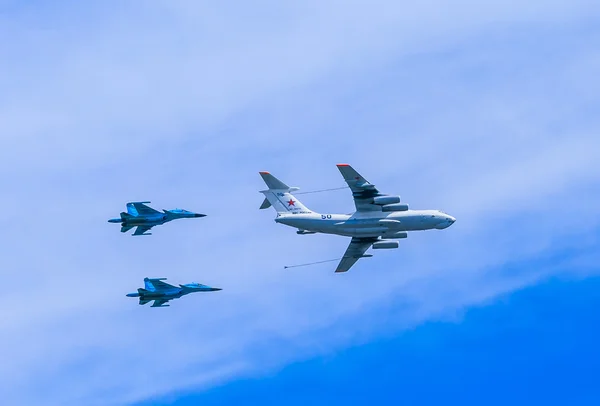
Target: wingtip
[264,173]
[343,165]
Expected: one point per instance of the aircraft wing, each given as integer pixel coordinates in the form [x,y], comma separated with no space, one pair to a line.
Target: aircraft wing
[363,192]
[157,284]
[355,251]
[141,230]
[160,303]
[140,209]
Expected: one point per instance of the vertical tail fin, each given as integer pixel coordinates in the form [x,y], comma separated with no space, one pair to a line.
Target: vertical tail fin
[149,285]
[272,182]
[278,195]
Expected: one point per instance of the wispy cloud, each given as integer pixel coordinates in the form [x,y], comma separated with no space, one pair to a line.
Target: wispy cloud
[485,111]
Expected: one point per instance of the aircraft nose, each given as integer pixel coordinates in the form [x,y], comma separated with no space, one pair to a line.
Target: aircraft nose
[215,289]
[449,221]
[199,215]
[446,222]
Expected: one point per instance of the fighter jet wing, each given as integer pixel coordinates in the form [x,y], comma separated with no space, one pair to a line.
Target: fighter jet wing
[355,251]
[141,230]
[157,284]
[160,303]
[140,209]
[363,192]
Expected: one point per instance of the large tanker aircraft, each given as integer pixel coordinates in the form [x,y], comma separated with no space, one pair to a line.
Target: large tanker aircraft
[378,222]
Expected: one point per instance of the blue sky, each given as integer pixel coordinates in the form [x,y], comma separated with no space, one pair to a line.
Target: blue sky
[537,345]
[487,111]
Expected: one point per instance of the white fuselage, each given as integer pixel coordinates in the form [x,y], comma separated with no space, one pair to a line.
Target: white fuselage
[368,224]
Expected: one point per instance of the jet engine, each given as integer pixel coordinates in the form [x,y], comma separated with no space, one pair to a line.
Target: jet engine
[381,200]
[399,234]
[383,245]
[395,207]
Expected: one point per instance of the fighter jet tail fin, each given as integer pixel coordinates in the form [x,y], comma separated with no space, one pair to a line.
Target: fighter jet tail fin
[148,285]
[126,216]
[280,197]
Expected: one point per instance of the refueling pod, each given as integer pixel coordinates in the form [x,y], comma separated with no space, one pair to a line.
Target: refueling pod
[302,232]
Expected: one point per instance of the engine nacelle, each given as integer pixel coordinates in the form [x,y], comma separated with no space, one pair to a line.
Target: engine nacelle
[384,245]
[395,207]
[399,234]
[381,200]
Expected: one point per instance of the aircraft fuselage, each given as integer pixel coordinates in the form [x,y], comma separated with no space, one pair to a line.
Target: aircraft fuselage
[149,295]
[368,224]
[142,220]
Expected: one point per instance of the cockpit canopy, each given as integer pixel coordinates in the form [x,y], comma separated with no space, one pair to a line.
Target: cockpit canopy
[181,211]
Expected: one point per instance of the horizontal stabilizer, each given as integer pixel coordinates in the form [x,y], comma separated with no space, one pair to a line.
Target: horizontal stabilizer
[142,230]
[265,204]
[160,303]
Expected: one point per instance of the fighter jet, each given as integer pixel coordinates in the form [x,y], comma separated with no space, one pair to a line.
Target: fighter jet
[144,218]
[379,218]
[161,292]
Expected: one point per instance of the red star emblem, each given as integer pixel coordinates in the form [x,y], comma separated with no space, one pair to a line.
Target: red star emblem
[291,203]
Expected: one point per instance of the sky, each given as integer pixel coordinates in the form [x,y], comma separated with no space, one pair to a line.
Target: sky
[486,111]
[525,347]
